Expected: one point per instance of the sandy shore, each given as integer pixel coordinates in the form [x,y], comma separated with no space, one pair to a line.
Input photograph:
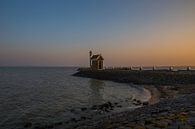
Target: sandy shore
[155,94]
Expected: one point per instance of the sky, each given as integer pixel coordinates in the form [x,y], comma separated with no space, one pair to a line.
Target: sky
[125,32]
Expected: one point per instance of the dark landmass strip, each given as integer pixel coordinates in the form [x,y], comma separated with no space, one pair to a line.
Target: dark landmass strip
[175,110]
[159,77]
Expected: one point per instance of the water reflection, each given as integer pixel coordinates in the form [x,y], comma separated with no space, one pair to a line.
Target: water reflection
[96,87]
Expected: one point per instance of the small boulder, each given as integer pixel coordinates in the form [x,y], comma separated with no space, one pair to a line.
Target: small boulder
[83,108]
[145,103]
[27,125]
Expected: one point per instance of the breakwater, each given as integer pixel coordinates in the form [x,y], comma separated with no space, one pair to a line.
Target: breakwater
[159,77]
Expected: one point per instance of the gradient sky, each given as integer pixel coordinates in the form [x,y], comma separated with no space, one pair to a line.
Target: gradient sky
[126,32]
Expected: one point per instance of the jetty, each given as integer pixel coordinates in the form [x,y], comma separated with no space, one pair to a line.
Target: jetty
[163,75]
[176,88]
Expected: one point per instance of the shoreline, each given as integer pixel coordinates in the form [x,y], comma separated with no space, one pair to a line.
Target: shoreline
[174,104]
[155,94]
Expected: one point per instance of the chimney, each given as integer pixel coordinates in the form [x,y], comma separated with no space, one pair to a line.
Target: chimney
[90,54]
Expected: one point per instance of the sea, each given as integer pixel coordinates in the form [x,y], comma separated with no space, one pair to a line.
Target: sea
[50,94]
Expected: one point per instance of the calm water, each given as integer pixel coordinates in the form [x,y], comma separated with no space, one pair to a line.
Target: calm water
[48,94]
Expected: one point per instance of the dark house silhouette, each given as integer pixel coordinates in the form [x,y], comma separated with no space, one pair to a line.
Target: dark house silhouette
[96,61]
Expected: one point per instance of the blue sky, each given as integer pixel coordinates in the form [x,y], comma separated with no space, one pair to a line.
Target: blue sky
[61,32]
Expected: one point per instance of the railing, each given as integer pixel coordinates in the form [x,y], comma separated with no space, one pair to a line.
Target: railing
[145,68]
[153,68]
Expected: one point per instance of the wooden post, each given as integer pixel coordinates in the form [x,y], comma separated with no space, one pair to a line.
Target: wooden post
[90,54]
[130,68]
[153,68]
[171,68]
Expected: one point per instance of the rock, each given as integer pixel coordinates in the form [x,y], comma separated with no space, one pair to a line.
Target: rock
[119,106]
[39,127]
[73,120]
[72,110]
[83,118]
[94,107]
[145,103]
[192,113]
[137,102]
[115,103]
[83,108]
[139,127]
[50,126]
[147,122]
[58,123]
[27,125]
[192,121]
[161,124]
[105,107]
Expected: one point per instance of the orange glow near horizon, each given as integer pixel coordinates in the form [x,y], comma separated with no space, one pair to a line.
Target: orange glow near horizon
[172,44]
[147,34]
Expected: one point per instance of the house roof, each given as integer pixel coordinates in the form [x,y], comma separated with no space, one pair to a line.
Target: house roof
[97,57]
